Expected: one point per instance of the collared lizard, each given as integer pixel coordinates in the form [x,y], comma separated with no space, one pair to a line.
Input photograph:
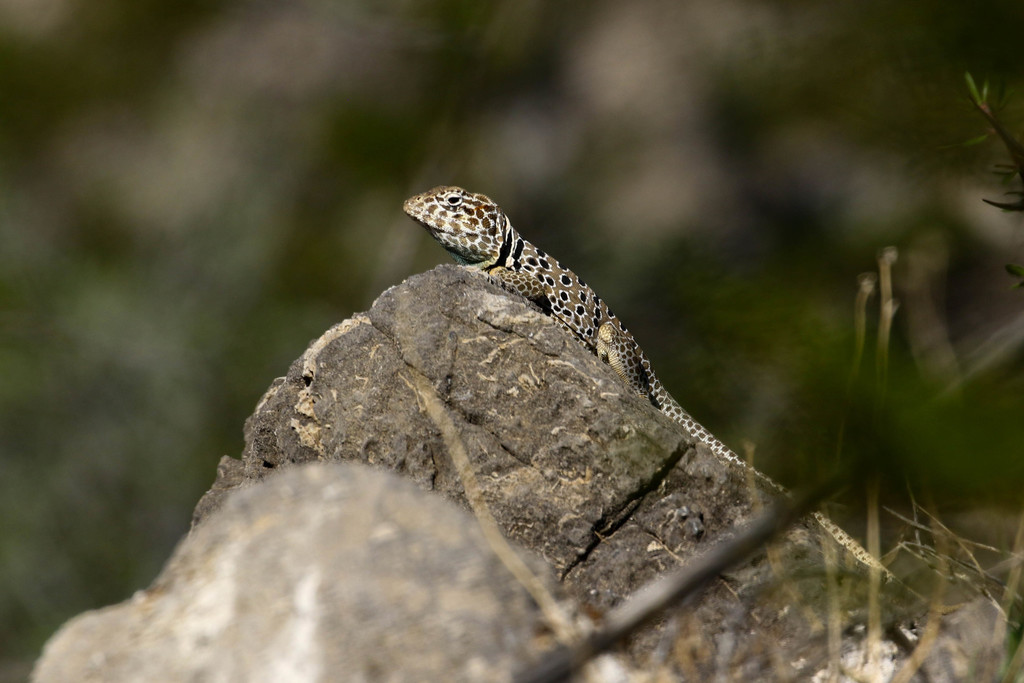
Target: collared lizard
[475,231]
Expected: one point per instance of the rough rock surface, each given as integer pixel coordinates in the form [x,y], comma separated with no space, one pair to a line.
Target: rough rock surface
[574,467]
[562,447]
[328,572]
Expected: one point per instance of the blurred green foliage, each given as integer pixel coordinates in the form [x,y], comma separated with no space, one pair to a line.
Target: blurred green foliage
[191,191]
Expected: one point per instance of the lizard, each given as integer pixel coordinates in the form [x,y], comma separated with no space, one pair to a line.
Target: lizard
[477,234]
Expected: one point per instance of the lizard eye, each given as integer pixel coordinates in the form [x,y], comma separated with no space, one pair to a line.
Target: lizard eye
[453,200]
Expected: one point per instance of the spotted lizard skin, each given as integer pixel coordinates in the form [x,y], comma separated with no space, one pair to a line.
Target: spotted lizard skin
[475,231]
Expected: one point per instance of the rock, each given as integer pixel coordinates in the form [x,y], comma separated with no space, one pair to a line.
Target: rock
[574,466]
[327,572]
[562,447]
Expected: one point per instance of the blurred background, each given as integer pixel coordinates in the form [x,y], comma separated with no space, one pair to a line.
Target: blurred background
[192,191]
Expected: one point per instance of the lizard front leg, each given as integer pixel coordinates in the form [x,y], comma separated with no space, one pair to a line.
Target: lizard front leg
[524,283]
[618,349]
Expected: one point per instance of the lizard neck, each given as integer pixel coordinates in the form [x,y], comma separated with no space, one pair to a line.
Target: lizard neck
[512,245]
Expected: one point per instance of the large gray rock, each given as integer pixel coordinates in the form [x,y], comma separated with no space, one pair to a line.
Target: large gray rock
[574,466]
[328,572]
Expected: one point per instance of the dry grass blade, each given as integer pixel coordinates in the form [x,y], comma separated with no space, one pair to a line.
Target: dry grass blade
[874,640]
[835,615]
[887,311]
[935,611]
[1012,594]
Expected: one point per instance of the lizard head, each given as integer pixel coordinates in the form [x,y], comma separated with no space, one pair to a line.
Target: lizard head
[469,226]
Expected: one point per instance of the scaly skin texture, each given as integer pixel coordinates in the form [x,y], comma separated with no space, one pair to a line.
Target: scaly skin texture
[475,231]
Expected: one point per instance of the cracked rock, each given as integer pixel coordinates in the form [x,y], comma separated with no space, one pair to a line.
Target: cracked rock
[576,468]
[562,448]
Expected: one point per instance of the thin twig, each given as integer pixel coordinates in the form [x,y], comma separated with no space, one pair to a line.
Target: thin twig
[674,588]
[560,623]
[865,288]
[937,524]
[935,612]
[917,525]
[887,310]
[835,617]
[874,640]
